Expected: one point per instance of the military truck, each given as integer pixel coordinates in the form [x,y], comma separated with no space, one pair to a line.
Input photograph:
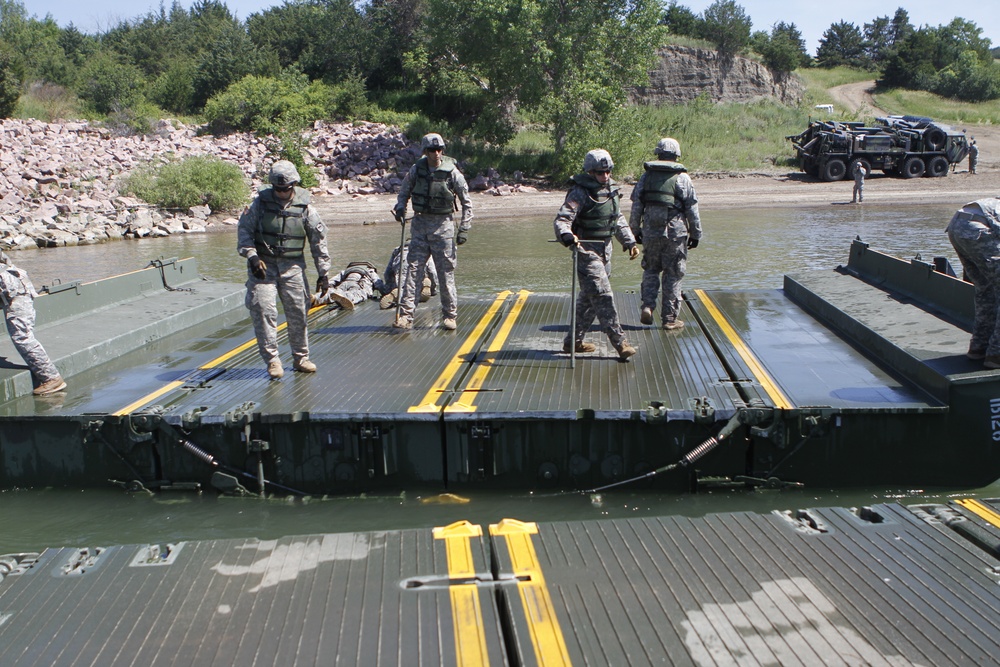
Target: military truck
[906,146]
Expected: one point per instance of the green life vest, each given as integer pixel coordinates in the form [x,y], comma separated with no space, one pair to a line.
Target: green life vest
[659,186]
[431,191]
[281,231]
[600,213]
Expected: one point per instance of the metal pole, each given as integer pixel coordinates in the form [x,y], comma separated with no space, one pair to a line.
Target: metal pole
[572,312]
[399,271]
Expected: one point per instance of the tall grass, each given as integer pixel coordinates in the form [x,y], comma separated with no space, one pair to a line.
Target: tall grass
[921,103]
[190,182]
[49,102]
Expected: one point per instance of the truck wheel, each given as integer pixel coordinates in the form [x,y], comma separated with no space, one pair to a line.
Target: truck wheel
[834,170]
[913,167]
[935,138]
[938,166]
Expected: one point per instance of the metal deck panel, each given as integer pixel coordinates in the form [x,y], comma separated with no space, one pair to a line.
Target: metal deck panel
[312,600]
[811,364]
[528,375]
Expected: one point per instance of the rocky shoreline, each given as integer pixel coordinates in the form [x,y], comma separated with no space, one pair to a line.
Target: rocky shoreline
[62,183]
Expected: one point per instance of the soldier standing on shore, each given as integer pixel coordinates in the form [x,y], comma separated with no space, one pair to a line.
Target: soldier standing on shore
[973,157]
[272,235]
[666,221]
[974,231]
[435,187]
[18,295]
[586,222]
[859,183]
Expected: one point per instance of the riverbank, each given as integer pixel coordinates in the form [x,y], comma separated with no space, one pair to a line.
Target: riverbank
[715,191]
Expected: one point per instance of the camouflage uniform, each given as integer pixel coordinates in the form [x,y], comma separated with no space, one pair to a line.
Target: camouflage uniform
[593,269]
[351,286]
[433,235]
[391,273]
[859,184]
[974,231]
[285,279]
[17,295]
[973,157]
[665,231]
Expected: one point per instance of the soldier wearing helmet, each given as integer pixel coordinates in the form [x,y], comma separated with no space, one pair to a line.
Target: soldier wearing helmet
[587,221]
[272,235]
[435,188]
[666,222]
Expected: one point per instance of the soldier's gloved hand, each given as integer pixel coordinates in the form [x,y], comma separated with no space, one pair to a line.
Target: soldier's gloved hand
[692,244]
[257,267]
[638,238]
[400,215]
[567,239]
[322,284]
[461,238]
[633,252]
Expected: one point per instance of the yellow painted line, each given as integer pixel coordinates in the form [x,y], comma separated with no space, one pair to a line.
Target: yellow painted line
[467,614]
[756,368]
[543,626]
[467,399]
[429,403]
[981,509]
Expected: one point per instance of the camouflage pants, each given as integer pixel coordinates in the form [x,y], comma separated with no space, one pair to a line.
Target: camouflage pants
[355,291]
[859,191]
[596,300]
[979,251]
[431,236]
[20,316]
[664,261]
[973,162]
[285,279]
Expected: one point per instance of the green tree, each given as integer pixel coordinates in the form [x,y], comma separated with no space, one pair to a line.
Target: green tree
[108,84]
[392,30]
[842,44]
[33,45]
[884,34]
[726,24]
[570,62]
[783,50]
[680,20]
[230,57]
[10,84]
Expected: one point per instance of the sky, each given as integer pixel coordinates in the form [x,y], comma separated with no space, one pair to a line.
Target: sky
[811,18]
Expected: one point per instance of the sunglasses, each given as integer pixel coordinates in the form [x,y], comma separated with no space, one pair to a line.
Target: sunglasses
[283,188]
[602,171]
[435,149]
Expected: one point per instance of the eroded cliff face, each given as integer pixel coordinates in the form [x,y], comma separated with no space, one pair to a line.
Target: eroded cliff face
[684,73]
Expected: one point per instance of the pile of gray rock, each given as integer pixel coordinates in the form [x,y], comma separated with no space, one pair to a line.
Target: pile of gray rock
[62,183]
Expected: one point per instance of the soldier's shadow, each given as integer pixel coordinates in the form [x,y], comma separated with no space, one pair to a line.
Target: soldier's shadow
[7,363]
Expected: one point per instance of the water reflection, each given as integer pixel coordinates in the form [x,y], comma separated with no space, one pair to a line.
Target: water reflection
[749,249]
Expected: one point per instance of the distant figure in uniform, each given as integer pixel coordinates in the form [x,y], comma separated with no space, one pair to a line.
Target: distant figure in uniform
[973,157]
[974,231]
[665,220]
[18,295]
[351,286]
[388,286]
[435,187]
[272,235]
[859,183]
[586,222]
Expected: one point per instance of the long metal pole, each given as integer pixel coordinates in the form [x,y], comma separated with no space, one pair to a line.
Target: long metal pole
[399,272]
[572,312]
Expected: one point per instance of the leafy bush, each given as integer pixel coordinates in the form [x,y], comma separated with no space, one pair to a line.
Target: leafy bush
[10,85]
[191,182]
[106,83]
[49,102]
[289,146]
[265,105]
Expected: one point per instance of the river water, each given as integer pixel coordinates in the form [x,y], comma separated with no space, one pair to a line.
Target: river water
[742,249]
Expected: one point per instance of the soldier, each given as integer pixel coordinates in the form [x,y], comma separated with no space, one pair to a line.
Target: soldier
[974,231]
[587,220]
[435,187]
[665,220]
[973,157]
[388,286]
[272,235]
[859,183]
[18,295]
[349,287]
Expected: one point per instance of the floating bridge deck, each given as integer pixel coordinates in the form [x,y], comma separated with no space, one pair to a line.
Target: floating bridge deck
[881,585]
[847,377]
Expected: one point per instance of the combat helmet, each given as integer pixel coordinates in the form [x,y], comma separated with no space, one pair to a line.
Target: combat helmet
[432,140]
[598,159]
[668,146]
[284,173]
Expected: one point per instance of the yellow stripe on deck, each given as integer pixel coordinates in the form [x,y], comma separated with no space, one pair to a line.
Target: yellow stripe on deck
[467,399]
[467,615]
[543,626]
[218,361]
[429,403]
[756,368]
[980,509]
